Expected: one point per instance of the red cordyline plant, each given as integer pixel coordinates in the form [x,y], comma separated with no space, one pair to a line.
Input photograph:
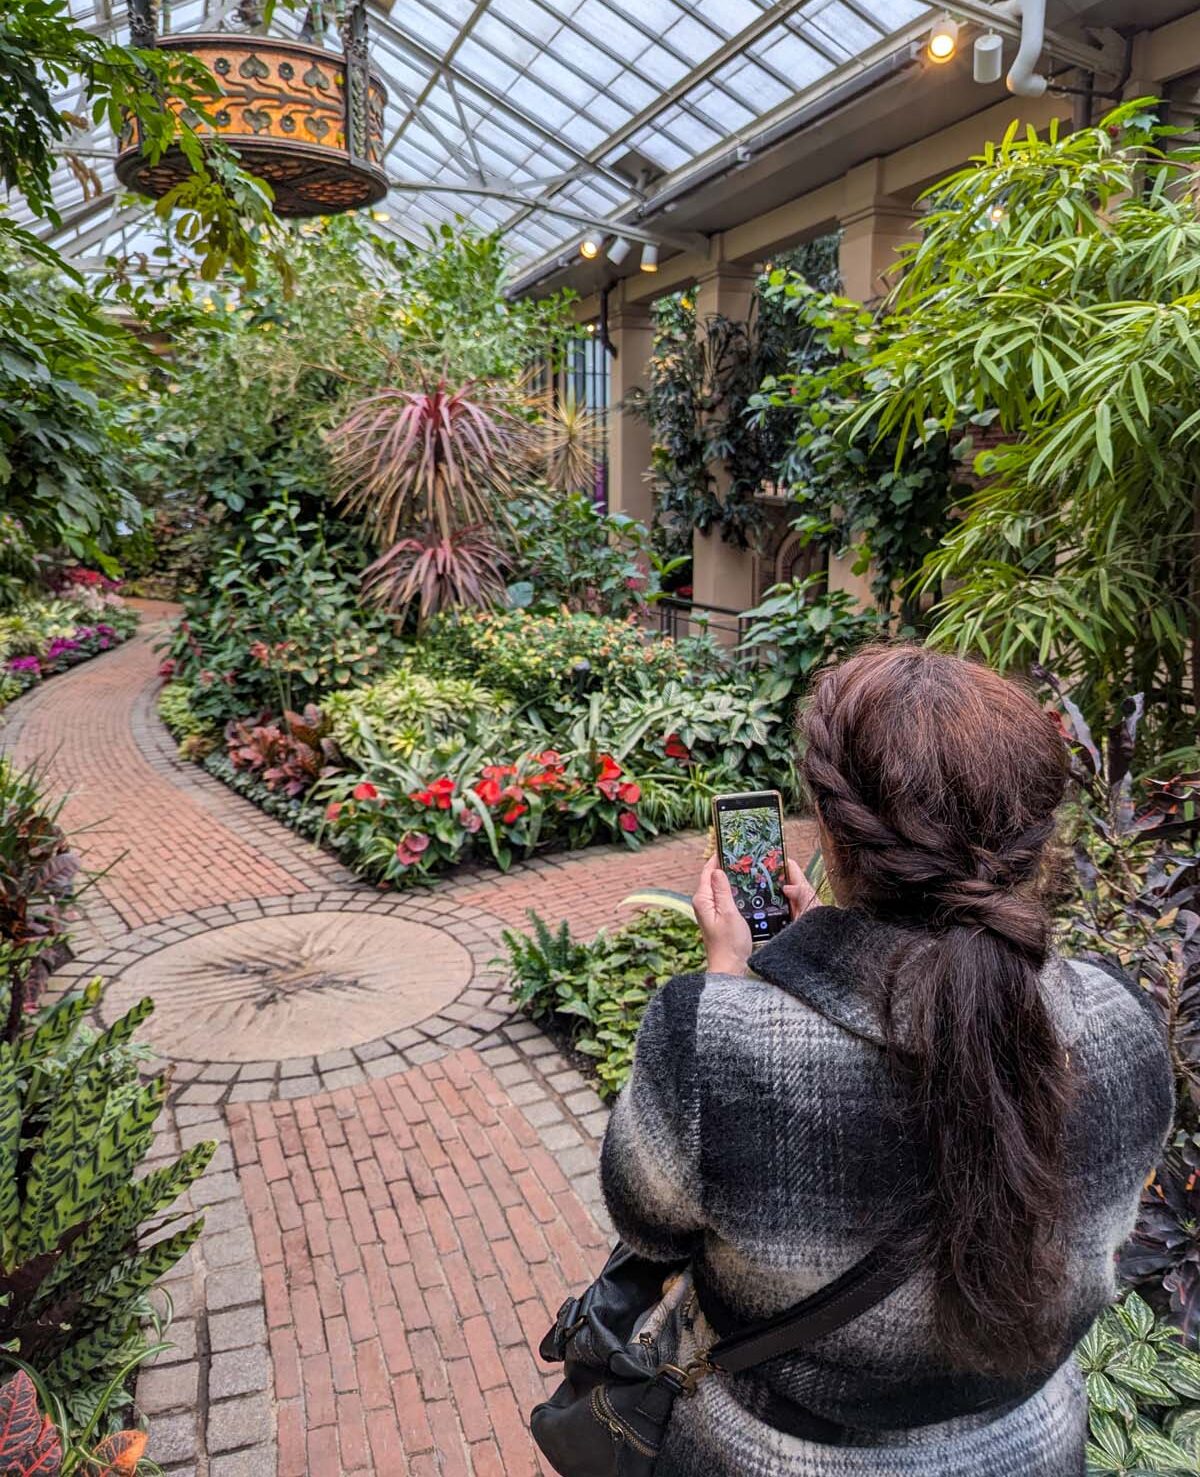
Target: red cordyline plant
[438,573]
[431,461]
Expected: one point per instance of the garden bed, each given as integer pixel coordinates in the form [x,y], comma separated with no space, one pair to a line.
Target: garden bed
[492,736]
[41,636]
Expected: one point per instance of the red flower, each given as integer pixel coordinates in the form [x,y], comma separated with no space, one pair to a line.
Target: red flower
[675,748]
[365,791]
[627,821]
[471,821]
[630,793]
[333,810]
[442,791]
[609,768]
[549,758]
[488,791]
[514,813]
[167,668]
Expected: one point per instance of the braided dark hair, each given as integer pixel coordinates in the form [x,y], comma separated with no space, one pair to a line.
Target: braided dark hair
[936,781]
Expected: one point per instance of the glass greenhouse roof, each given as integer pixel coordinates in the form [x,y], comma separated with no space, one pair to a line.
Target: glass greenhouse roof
[536,117]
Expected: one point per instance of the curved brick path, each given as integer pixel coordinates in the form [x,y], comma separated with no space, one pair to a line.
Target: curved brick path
[390,1225]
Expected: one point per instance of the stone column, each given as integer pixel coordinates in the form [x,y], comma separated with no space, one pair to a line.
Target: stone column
[631,333]
[721,573]
[874,228]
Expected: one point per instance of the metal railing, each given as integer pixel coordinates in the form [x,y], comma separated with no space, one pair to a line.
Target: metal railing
[681,618]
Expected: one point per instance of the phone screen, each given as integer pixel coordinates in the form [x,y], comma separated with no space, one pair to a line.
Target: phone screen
[750,845]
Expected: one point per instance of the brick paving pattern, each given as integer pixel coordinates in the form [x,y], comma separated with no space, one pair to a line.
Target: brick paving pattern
[391,1219]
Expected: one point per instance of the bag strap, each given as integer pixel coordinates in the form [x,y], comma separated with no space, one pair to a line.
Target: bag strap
[855,1292]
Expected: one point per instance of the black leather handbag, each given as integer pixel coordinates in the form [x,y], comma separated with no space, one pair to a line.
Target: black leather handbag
[619,1342]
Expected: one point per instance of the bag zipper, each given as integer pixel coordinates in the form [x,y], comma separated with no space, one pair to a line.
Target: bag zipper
[602,1409]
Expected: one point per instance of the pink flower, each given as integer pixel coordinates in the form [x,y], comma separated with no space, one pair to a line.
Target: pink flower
[627,821]
[410,847]
[365,791]
[471,821]
[630,793]
[167,668]
[333,810]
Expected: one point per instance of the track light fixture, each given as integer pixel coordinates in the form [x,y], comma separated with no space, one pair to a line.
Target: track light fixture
[988,57]
[649,262]
[943,40]
[589,247]
[619,250]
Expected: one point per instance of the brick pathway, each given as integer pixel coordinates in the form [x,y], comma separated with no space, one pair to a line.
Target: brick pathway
[391,1221]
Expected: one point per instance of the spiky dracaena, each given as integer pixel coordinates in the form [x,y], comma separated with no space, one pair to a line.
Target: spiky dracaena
[430,461]
[1056,286]
[82,1241]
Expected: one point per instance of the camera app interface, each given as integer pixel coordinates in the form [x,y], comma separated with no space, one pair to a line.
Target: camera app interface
[752,849]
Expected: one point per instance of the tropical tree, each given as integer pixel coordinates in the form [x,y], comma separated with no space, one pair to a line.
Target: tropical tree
[1055,292]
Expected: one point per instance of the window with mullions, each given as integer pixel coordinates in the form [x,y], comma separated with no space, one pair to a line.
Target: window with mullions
[586,377]
[581,383]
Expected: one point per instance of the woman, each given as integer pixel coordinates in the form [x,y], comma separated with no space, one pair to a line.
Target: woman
[912,1065]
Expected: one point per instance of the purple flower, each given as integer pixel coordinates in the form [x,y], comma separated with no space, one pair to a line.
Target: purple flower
[58,646]
[25,664]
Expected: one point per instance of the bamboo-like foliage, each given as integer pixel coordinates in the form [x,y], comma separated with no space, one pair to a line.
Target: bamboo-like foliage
[434,460]
[1056,290]
[76,1255]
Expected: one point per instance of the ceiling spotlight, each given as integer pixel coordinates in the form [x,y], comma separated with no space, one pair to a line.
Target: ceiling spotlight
[649,262]
[943,40]
[619,250]
[589,247]
[988,57]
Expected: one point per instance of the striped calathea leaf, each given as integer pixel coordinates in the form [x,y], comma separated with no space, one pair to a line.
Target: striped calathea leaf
[81,1240]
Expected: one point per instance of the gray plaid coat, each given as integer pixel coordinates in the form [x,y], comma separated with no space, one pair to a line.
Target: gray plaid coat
[760,1135]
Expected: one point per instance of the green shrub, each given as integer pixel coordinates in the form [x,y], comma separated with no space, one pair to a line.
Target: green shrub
[597,993]
[1143,1387]
[805,628]
[532,657]
[76,1262]
[278,624]
[566,553]
[407,710]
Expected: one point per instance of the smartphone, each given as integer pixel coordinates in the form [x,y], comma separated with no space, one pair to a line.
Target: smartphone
[750,852]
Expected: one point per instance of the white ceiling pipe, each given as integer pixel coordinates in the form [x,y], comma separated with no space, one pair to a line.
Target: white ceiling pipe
[1022,80]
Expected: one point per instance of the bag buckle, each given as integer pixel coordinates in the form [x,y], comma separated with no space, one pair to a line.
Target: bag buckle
[688,1376]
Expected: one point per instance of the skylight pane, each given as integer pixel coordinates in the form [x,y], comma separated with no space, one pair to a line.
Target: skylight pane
[793,58]
[662,67]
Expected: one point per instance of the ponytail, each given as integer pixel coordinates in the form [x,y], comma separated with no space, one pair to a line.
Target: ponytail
[936,782]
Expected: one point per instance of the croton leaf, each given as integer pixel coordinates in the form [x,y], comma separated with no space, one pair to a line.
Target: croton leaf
[118,1455]
[20,1419]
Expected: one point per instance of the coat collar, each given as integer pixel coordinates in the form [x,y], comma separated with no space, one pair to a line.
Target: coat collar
[830,959]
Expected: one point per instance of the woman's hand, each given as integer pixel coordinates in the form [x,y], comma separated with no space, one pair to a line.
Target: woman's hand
[726,932]
[800,893]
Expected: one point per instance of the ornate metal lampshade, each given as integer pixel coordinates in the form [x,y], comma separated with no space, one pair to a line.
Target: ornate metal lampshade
[308,121]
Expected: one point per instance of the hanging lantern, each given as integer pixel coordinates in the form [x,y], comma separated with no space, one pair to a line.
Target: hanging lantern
[308,121]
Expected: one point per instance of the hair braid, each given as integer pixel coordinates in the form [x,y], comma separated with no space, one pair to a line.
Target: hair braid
[936,782]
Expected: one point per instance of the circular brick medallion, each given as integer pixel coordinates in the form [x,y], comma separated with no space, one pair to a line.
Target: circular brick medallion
[291,985]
